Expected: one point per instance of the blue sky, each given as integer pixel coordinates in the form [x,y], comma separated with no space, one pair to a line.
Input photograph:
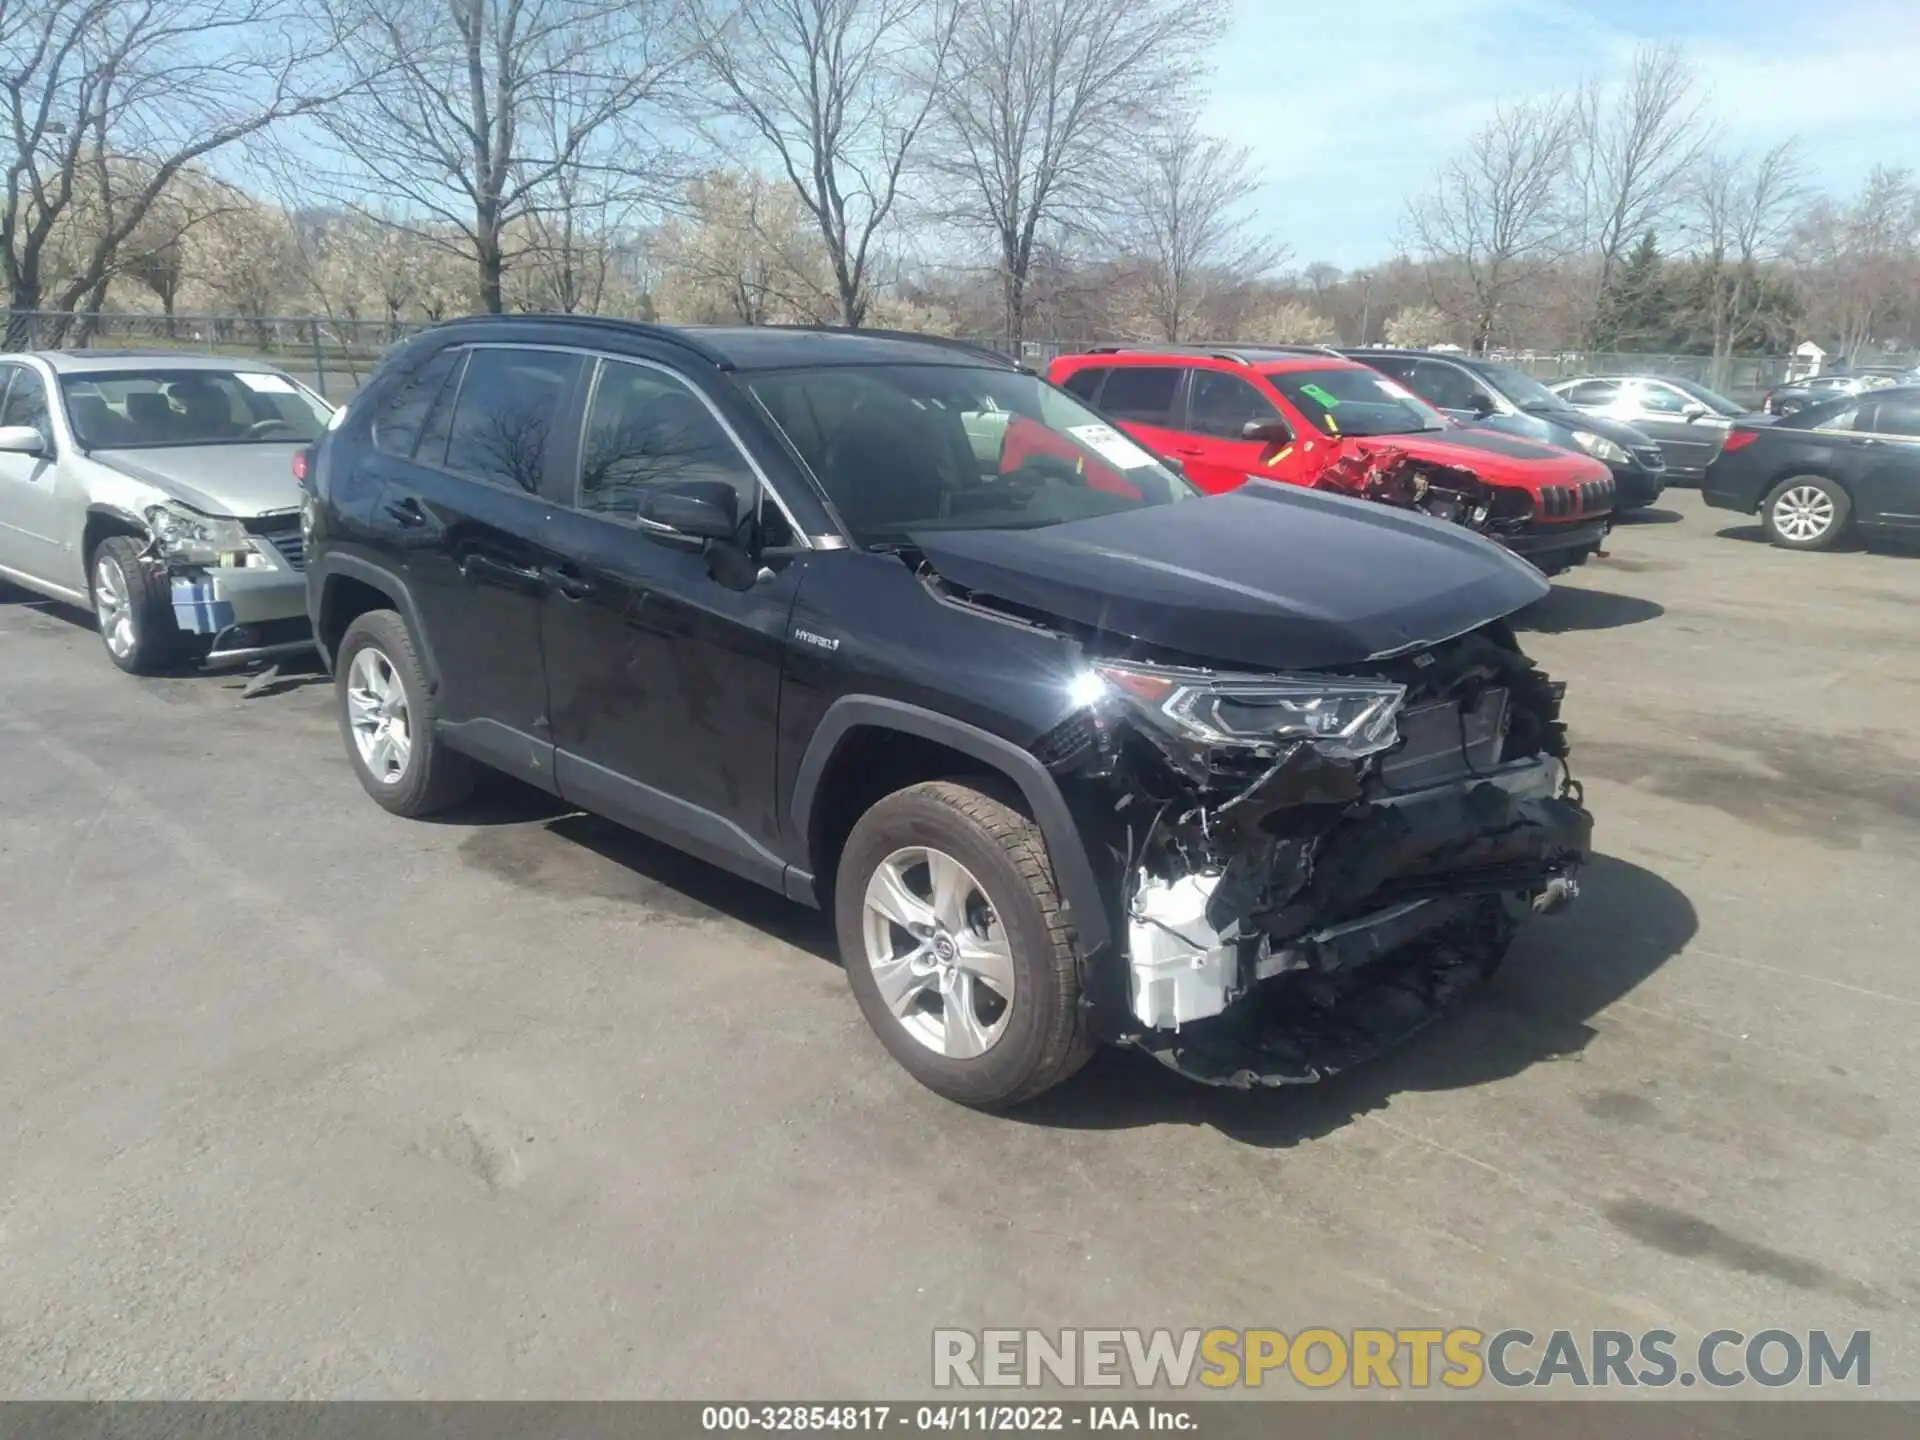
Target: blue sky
[1349,106]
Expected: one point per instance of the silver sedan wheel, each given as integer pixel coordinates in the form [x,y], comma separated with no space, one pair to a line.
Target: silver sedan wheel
[1803,513]
[939,954]
[377,711]
[114,607]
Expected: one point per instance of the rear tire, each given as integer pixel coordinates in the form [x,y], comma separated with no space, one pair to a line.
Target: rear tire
[133,603]
[1806,512]
[387,720]
[995,928]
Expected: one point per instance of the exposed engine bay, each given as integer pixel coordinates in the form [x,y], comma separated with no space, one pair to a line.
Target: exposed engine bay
[1391,476]
[1311,866]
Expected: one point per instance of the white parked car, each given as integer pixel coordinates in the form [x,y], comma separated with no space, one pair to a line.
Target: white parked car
[159,492]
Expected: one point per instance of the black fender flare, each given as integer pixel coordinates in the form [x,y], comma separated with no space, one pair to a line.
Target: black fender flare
[1072,866]
[368,572]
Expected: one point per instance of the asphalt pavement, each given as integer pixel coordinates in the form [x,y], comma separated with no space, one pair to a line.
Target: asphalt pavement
[298,1099]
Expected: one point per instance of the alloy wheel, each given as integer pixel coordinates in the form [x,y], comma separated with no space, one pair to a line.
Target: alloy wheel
[113,605]
[377,713]
[1804,513]
[939,954]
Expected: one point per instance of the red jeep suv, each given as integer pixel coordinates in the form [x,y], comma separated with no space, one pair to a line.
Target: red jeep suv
[1310,417]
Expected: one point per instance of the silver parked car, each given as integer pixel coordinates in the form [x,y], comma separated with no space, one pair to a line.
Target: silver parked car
[158,491]
[1685,419]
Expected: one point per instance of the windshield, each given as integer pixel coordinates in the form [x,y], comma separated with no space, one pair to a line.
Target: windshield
[146,409]
[944,447]
[1521,388]
[1356,402]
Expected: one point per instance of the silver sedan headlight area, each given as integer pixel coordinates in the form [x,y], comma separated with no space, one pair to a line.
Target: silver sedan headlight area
[185,535]
[1342,719]
[1600,448]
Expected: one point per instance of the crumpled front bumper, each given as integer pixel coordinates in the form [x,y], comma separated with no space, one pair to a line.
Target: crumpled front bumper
[1429,886]
[250,612]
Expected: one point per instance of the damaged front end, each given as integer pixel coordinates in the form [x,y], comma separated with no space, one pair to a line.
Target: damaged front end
[1310,867]
[1390,476]
[238,586]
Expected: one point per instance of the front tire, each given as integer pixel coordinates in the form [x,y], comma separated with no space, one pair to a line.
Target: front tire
[1806,512]
[133,604]
[952,935]
[386,718]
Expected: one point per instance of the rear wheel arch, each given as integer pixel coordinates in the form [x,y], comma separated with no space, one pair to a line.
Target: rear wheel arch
[350,587]
[831,782]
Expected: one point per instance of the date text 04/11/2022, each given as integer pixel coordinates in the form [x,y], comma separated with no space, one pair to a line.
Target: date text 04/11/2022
[941,1418]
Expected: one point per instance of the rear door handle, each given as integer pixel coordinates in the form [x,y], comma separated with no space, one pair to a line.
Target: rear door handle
[407,511]
[486,567]
[568,581]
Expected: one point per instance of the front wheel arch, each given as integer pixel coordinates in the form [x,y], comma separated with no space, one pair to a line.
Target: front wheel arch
[984,750]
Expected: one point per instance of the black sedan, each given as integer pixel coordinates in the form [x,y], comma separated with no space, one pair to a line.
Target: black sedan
[1849,465]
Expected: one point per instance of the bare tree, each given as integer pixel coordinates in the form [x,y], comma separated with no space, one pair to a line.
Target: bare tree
[840,92]
[1631,148]
[1861,259]
[745,254]
[1739,210]
[470,114]
[1194,233]
[1044,124]
[1497,217]
[106,102]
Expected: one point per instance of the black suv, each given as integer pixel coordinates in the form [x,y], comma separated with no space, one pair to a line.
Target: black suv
[1501,397]
[1254,782]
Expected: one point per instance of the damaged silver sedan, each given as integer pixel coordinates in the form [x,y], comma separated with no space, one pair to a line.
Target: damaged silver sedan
[159,491]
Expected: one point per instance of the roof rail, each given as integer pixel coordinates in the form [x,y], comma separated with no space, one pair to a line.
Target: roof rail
[1215,352]
[669,334]
[969,347]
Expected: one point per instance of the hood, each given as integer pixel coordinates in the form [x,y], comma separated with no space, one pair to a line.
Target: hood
[1565,422]
[1499,459]
[240,481]
[1268,576]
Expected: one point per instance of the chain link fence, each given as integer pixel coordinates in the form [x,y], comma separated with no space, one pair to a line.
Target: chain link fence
[335,356]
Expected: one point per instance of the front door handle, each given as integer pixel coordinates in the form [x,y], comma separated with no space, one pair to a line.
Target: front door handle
[501,572]
[568,581]
[406,511]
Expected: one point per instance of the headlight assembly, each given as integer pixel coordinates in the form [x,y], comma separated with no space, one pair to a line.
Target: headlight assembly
[1342,719]
[186,535]
[1600,448]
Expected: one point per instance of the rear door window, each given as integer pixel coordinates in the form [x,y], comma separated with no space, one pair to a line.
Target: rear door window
[1144,394]
[1086,383]
[1593,393]
[1221,405]
[1890,417]
[505,417]
[1446,387]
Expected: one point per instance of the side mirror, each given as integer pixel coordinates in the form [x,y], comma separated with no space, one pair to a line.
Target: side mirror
[697,509]
[1694,411]
[22,440]
[1267,432]
[1481,406]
